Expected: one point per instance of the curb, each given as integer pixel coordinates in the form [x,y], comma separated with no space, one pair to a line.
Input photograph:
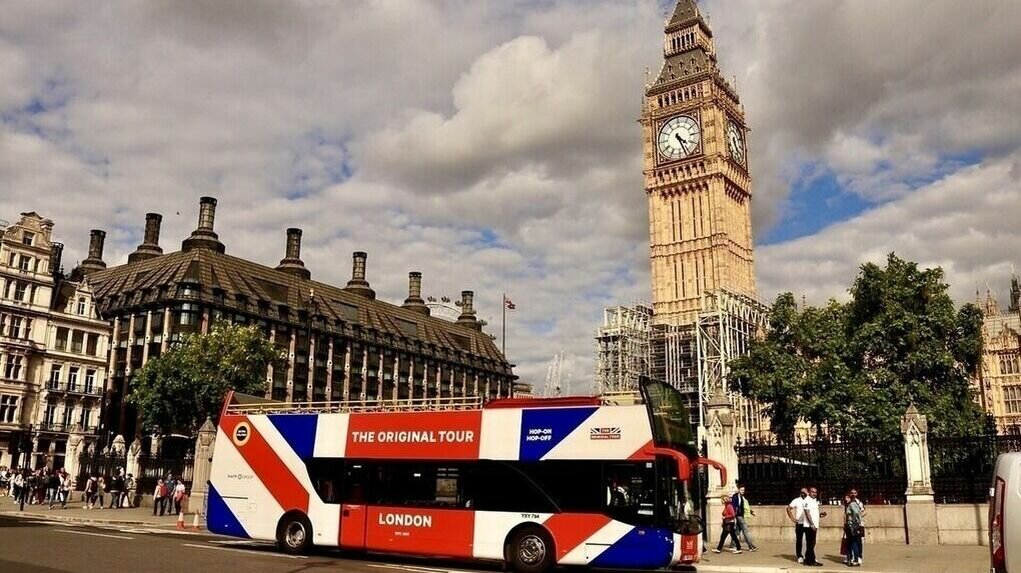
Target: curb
[755,569]
[88,520]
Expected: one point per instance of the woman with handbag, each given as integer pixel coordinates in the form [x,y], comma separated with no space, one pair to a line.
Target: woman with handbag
[853,531]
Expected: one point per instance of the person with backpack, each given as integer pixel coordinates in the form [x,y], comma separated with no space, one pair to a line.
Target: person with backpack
[91,486]
[742,511]
[159,498]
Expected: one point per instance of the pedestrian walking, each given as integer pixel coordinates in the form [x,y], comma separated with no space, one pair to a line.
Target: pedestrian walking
[796,513]
[66,485]
[91,486]
[159,497]
[179,492]
[729,517]
[742,511]
[101,491]
[853,531]
[812,519]
[52,488]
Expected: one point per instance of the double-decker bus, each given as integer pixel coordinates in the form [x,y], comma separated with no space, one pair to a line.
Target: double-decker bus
[531,482]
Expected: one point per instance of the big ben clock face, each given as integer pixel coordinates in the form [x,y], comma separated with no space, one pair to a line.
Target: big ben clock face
[679,137]
[735,141]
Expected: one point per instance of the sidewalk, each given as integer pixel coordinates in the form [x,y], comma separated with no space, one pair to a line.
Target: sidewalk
[75,513]
[779,558]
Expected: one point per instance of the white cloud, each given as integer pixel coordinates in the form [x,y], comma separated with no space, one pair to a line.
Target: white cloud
[493,144]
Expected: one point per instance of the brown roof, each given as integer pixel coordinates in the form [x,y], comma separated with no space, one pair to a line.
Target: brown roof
[264,290]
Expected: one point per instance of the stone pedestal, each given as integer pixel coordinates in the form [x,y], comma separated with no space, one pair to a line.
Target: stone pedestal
[721,441]
[204,445]
[920,509]
[75,447]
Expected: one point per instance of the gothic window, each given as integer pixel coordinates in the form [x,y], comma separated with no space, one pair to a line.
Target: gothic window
[1010,364]
[1012,399]
[8,408]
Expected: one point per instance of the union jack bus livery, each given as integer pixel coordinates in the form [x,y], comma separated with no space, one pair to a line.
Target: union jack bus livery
[532,482]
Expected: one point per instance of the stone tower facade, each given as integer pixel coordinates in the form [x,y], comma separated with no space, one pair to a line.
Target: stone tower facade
[696,175]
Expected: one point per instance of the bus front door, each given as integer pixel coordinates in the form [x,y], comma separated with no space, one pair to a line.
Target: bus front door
[352,526]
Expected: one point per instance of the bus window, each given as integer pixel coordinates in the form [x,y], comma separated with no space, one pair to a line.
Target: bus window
[507,488]
[630,492]
[326,475]
[573,485]
[414,484]
[355,481]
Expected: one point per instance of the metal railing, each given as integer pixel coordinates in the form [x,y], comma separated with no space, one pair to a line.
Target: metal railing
[332,407]
[774,474]
[961,467]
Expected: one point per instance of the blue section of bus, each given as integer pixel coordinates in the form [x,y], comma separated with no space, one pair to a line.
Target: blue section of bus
[299,430]
[641,548]
[220,519]
[543,428]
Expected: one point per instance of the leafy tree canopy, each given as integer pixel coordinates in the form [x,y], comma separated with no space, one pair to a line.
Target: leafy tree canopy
[176,391]
[856,366]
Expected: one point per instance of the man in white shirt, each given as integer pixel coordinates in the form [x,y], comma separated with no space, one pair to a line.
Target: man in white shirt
[796,513]
[812,519]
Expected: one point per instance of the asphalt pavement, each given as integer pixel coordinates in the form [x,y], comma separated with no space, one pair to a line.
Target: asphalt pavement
[32,545]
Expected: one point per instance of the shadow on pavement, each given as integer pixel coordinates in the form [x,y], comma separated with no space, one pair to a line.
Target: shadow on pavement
[12,521]
[15,567]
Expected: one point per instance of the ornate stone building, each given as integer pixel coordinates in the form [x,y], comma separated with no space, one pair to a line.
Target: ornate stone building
[341,344]
[696,175]
[52,349]
[998,382]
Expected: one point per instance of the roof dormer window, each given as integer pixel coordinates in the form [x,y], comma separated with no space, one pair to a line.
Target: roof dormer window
[27,238]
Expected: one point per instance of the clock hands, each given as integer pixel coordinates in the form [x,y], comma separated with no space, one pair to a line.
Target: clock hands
[684,147]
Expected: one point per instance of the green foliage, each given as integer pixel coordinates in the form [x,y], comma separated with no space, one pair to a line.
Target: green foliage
[176,391]
[856,366]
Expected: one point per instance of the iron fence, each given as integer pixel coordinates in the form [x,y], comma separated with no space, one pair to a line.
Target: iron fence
[774,473]
[961,467]
[155,468]
[98,464]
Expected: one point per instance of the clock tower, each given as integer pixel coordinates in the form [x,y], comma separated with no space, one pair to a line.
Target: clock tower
[696,175]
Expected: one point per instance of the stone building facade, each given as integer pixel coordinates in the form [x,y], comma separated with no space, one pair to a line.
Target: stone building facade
[53,349]
[341,344]
[998,381]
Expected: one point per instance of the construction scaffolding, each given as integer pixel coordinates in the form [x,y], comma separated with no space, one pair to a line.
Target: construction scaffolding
[726,326]
[622,348]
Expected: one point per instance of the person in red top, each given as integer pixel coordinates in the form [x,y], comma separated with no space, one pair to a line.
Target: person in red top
[729,518]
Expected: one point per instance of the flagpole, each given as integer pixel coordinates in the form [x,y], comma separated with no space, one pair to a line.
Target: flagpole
[503,326]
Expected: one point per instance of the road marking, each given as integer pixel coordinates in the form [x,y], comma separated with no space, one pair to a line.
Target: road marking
[246,552]
[93,534]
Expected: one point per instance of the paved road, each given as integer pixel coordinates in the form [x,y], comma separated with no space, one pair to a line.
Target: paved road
[37,546]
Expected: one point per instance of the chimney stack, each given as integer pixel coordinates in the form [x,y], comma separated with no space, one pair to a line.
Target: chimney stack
[56,254]
[358,285]
[414,300]
[94,262]
[467,317]
[203,237]
[292,263]
[150,247]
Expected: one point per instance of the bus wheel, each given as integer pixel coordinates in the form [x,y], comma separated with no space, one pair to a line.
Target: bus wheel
[531,550]
[294,534]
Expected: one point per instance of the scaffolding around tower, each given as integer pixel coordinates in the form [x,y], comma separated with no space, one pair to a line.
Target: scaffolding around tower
[726,326]
[622,347]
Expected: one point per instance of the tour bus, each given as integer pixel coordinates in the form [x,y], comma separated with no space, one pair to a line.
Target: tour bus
[530,482]
[1005,515]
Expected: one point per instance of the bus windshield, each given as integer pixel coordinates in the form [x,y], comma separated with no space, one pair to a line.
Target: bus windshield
[671,425]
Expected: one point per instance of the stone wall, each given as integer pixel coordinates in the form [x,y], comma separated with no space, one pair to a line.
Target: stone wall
[958,524]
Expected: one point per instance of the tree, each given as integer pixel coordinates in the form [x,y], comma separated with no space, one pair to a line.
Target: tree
[855,367]
[176,391]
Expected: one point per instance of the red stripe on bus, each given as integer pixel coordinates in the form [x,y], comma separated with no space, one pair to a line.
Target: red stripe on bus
[571,529]
[269,468]
[641,455]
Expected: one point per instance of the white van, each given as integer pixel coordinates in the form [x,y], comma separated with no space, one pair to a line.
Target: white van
[1005,515]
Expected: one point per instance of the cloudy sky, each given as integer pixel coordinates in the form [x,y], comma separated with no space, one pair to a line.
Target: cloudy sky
[493,146]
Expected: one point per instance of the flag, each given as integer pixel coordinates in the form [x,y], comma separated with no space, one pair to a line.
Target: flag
[507,302]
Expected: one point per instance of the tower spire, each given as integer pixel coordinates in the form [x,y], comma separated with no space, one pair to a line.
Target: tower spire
[688,47]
